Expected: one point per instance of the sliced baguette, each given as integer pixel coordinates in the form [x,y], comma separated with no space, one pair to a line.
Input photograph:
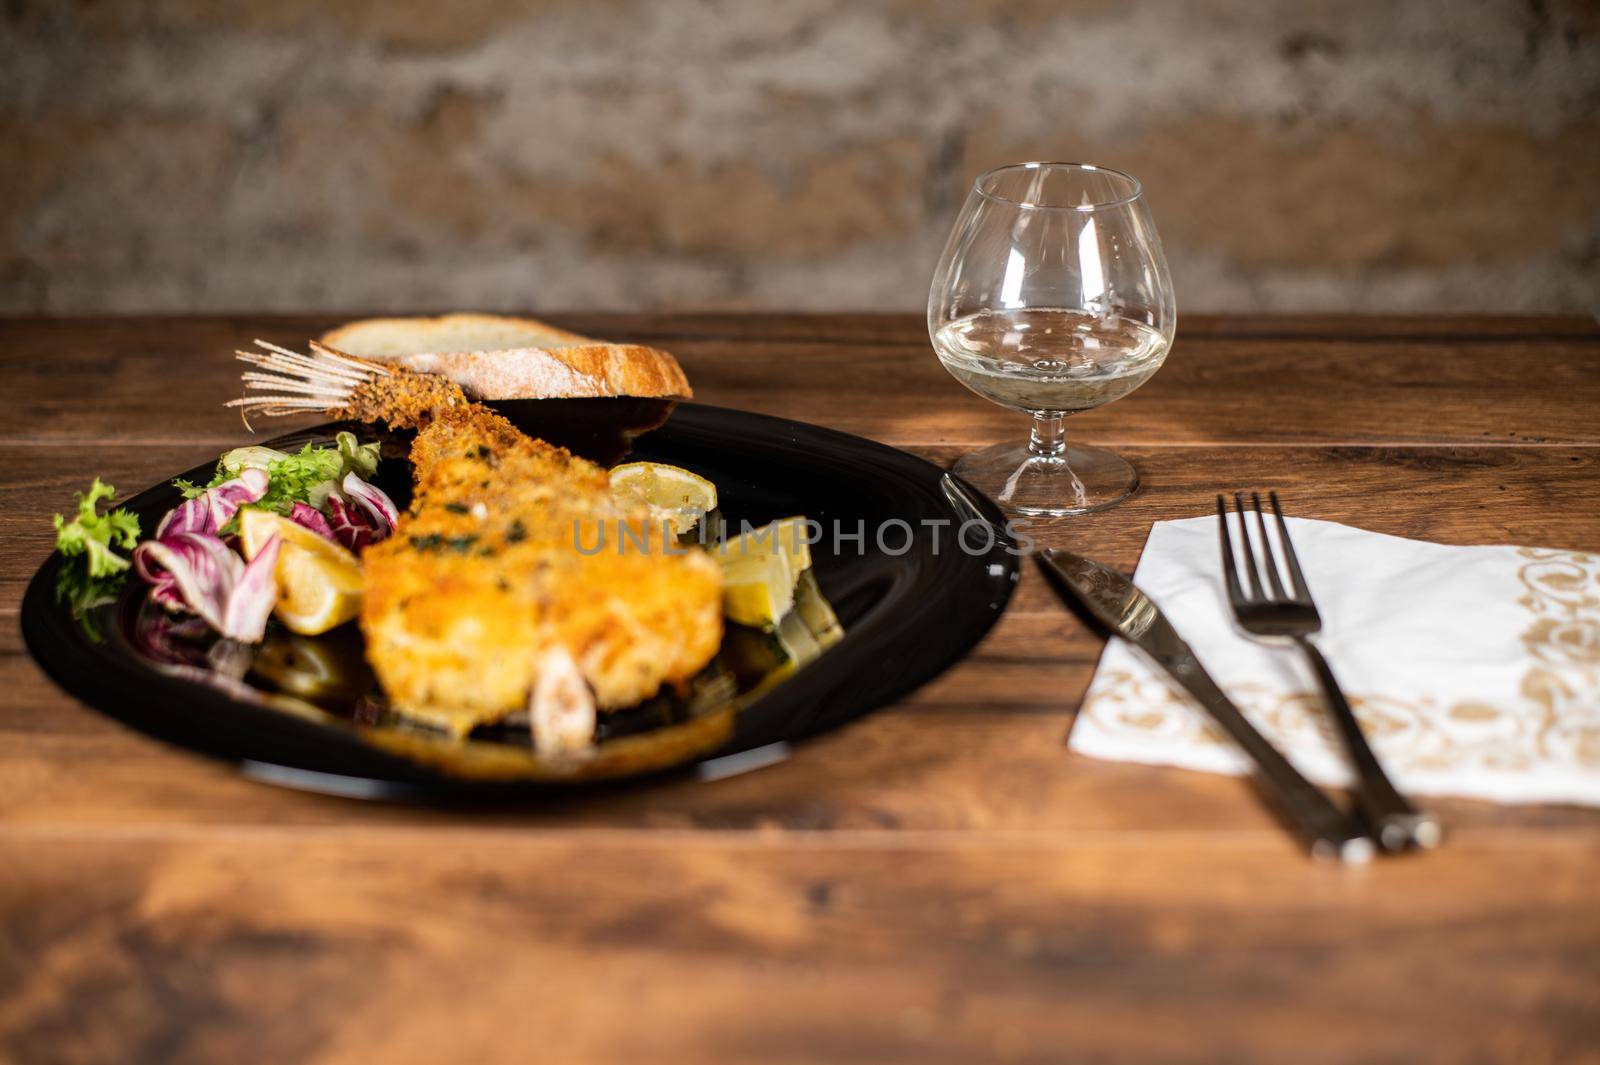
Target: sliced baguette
[496,357]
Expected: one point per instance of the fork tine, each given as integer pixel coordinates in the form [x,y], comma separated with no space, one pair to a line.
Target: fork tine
[1296,578]
[1230,569]
[1249,555]
[1267,558]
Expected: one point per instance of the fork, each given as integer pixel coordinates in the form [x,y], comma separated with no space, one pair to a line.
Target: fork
[1272,615]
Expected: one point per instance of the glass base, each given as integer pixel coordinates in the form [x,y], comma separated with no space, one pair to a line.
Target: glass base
[1078,480]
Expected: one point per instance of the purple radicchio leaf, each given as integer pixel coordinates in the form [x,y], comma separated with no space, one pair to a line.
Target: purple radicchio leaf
[350,526]
[163,585]
[198,572]
[383,515]
[212,509]
[251,598]
[310,517]
[190,568]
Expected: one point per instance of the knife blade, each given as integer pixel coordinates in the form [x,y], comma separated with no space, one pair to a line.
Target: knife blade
[1120,606]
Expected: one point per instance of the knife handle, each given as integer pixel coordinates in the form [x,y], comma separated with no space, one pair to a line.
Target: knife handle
[1328,831]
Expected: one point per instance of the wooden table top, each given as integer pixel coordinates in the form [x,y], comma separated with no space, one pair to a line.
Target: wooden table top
[941,881]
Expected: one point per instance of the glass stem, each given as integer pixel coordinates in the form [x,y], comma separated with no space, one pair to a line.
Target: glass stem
[1048,438]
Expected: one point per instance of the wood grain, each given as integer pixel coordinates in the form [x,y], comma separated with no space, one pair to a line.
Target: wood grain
[272,946]
[941,881]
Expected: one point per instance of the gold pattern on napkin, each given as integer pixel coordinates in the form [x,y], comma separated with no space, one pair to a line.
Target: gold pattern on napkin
[1558,721]
[1564,597]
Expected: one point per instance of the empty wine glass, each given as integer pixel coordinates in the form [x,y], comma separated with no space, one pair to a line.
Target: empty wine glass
[1052,297]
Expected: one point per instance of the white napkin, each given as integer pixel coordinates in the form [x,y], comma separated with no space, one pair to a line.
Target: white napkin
[1475,671]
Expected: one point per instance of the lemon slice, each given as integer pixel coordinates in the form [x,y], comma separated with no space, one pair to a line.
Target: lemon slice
[319,582]
[671,492]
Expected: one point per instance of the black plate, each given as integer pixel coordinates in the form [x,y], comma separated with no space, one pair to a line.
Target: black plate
[907,615]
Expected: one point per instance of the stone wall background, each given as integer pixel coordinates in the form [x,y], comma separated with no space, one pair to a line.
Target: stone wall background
[289,154]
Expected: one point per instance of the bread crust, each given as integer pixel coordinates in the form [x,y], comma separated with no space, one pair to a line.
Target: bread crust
[566,365]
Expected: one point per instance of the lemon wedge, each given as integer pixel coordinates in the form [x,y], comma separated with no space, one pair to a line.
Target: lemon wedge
[760,569]
[319,582]
[786,537]
[671,492]
[757,590]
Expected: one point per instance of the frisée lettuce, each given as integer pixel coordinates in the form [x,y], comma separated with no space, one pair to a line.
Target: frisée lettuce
[96,538]
[305,476]
[96,535]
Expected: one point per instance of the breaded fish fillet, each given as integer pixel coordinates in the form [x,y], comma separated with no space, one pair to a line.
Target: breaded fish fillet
[481,601]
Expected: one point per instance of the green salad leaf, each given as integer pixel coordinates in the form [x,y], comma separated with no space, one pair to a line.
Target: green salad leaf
[305,476]
[97,536]
[360,459]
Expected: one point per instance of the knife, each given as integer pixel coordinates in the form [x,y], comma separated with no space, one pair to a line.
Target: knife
[1125,610]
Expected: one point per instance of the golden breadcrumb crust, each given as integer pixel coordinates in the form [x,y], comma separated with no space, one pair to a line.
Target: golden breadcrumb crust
[483,575]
